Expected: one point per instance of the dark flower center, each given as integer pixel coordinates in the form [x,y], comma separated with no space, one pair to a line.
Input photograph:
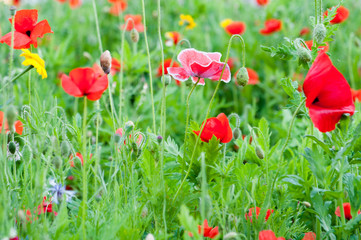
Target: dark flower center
[28,33]
[315,101]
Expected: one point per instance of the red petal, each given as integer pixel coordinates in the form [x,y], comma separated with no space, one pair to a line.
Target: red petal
[20,40]
[74,3]
[267,235]
[253,77]
[206,71]
[25,20]
[216,56]
[19,127]
[84,78]
[213,127]
[70,87]
[178,73]
[188,56]
[309,236]
[226,77]
[39,30]
[228,135]
[235,28]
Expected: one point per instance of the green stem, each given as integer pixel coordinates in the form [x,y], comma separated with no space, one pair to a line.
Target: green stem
[340,189]
[149,66]
[16,77]
[84,170]
[97,26]
[187,117]
[210,105]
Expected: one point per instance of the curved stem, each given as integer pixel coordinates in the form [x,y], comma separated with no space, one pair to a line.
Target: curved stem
[210,105]
[149,65]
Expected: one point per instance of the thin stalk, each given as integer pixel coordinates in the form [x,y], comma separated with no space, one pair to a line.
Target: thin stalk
[340,188]
[16,77]
[97,26]
[187,117]
[350,47]
[84,170]
[149,65]
[210,105]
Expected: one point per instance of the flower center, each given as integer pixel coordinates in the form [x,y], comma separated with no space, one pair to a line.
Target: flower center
[28,33]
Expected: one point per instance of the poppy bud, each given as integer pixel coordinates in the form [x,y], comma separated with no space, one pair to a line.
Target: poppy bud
[27,153]
[58,163]
[242,77]
[149,237]
[129,126]
[98,120]
[231,235]
[167,80]
[12,147]
[307,204]
[106,61]
[12,11]
[259,152]
[236,133]
[11,115]
[319,33]
[134,35]
[159,139]
[65,148]
[304,54]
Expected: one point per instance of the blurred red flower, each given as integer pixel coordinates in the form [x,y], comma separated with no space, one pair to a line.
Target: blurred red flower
[218,127]
[167,63]
[342,14]
[46,207]
[114,69]
[346,210]
[27,29]
[271,26]
[304,31]
[309,236]
[117,7]
[136,23]
[262,2]
[77,155]
[73,3]
[356,95]
[235,27]
[258,211]
[198,64]
[309,44]
[268,235]
[328,95]
[84,82]
[172,38]
[207,230]
[18,125]
[253,77]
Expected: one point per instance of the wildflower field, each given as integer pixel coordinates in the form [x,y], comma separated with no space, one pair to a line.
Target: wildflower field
[180,119]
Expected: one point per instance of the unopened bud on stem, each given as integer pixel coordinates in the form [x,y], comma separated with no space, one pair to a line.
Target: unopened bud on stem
[242,77]
[106,61]
[134,35]
[319,33]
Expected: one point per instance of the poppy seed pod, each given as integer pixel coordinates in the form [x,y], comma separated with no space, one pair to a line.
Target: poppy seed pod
[65,149]
[11,115]
[242,77]
[12,147]
[106,61]
[12,11]
[167,80]
[236,133]
[129,126]
[319,33]
[27,153]
[259,152]
[304,54]
[134,35]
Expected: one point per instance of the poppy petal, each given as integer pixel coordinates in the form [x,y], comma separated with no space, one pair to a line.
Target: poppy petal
[39,30]
[20,40]
[100,85]
[19,127]
[188,56]
[83,78]
[206,71]
[228,130]
[70,87]
[178,73]
[25,20]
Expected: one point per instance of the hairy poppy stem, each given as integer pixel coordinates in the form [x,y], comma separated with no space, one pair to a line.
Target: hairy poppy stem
[149,65]
[84,171]
[17,77]
[97,26]
[210,105]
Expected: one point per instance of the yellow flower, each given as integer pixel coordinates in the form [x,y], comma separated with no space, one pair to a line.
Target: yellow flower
[187,20]
[226,22]
[33,59]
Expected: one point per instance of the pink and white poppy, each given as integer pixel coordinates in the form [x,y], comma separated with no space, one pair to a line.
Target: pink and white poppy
[198,64]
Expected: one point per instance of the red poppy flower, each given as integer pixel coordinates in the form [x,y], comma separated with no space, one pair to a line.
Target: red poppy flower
[17,4]
[115,66]
[46,207]
[309,236]
[207,230]
[271,26]
[262,2]
[219,127]
[198,64]
[18,125]
[328,95]
[346,210]
[77,155]
[342,14]
[167,63]
[356,95]
[268,235]
[253,77]
[235,28]
[172,38]
[309,44]
[258,211]
[136,23]
[117,7]
[84,82]
[27,29]
[73,3]
[304,31]
[14,238]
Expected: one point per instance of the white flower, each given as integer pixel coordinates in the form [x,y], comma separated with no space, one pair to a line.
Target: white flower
[16,155]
